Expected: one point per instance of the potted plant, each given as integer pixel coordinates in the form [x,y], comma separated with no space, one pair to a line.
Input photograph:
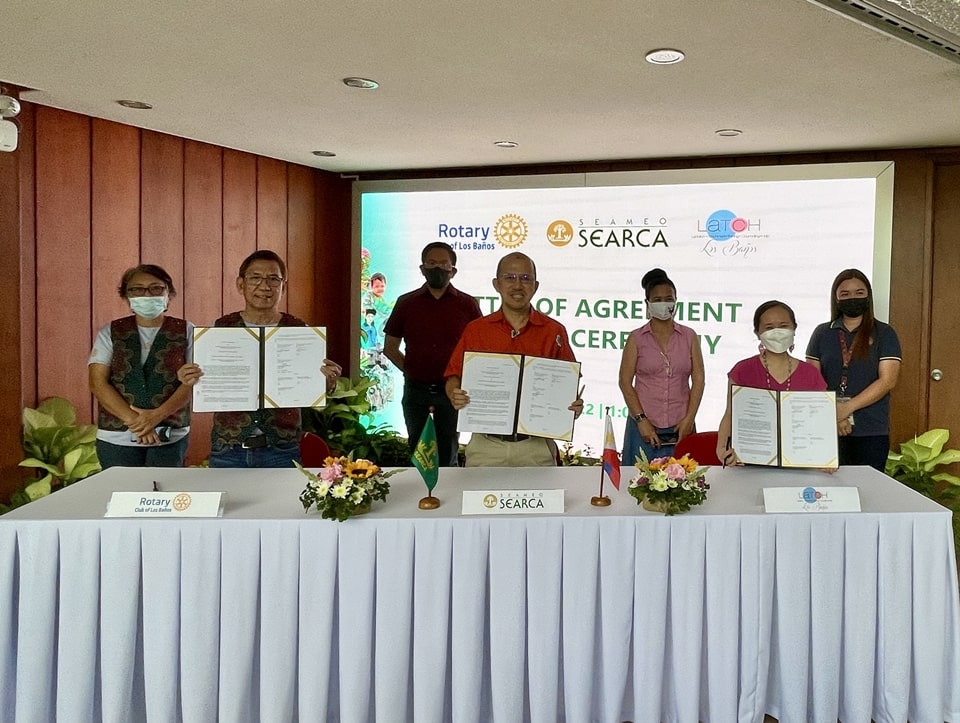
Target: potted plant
[915,466]
[341,424]
[54,442]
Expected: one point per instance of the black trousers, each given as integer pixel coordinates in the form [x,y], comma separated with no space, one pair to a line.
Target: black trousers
[870,450]
[418,398]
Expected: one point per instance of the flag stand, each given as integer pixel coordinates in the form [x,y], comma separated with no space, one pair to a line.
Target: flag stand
[426,459]
[428,503]
[611,459]
[601,500]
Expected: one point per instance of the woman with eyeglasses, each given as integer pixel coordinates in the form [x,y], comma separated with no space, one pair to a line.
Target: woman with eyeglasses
[661,375]
[144,416]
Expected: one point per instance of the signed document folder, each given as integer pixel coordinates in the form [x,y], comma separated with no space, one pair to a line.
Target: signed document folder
[517,394]
[784,429]
[250,368]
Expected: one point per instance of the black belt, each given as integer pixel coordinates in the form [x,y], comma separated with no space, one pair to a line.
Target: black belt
[254,441]
[509,437]
[438,388]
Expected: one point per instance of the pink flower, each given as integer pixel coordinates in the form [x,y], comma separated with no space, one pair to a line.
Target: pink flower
[675,471]
[332,473]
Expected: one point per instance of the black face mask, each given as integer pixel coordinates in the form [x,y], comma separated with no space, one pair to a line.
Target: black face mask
[436,277]
[854,307]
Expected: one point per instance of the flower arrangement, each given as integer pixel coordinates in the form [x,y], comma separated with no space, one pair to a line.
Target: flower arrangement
[344,487]
[668,484]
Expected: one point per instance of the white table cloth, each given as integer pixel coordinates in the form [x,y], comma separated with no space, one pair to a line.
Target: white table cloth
[601,614]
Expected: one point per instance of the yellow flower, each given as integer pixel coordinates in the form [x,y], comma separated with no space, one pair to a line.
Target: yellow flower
[360,469]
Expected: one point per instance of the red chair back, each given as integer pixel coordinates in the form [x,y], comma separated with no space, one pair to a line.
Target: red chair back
[701,446]
[313,450]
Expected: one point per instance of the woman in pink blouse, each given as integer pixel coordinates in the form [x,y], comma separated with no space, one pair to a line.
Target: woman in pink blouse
[773,368]
[661,375]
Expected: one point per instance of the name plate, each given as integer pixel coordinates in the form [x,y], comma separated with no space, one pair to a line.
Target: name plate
[512,502]
[165,504]
[811,499]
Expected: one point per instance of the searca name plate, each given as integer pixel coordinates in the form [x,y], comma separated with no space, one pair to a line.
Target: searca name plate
[512,502]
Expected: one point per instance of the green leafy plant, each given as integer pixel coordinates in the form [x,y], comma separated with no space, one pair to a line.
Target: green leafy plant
[342,425]
[570,457]
[915,466]
[55,443]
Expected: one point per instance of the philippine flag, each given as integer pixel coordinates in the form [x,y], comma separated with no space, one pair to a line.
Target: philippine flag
[611,459]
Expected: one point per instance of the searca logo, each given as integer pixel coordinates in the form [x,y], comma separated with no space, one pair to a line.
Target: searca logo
[723,225]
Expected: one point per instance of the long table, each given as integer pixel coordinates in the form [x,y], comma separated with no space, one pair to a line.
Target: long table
[600,614]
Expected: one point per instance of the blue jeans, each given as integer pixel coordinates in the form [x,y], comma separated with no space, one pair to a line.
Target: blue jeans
[632,441]
[260,457]
[143,455]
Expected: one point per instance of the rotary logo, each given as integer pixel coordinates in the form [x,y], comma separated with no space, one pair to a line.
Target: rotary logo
[181,502]
[559,233]
[510,230]
[490,501]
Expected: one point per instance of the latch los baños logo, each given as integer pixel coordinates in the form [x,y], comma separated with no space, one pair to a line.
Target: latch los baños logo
[729,234]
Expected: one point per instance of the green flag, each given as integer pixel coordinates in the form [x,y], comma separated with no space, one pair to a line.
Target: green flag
[426,457]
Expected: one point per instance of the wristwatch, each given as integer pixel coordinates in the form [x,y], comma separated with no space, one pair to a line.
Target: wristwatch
[639,417]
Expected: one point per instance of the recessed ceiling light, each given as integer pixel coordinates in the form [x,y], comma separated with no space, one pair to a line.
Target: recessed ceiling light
[729,132]
[506,144]
[136,104]
[324,154]
[362,83]
[664,56]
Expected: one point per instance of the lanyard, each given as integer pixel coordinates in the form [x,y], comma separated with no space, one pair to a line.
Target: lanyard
[846,354]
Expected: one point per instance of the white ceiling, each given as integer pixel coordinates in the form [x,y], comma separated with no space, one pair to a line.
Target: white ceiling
[565,79]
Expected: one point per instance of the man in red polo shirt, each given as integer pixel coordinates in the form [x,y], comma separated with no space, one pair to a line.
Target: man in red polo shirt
[429,320]
[516,328]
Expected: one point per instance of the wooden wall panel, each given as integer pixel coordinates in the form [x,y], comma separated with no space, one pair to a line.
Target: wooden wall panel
[301,217]
[161,206]
[18,351]
[203,252]
[82,200]
[115,216]
[272,205]
[28,256]
[333,283]
[910,284]
[203,275]
[63,255]
[239,220]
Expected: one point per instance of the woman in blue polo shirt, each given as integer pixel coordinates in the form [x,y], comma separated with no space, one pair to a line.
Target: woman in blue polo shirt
[859,357]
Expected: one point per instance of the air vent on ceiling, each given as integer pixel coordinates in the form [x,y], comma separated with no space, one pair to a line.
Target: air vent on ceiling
[894,20]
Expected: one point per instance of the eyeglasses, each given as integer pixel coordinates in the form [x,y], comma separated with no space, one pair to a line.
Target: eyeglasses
[152,290]
[272,281]
[446,265]
[524,279]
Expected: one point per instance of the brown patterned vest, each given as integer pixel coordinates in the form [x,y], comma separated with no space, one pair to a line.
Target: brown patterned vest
[281,426]
[151,384]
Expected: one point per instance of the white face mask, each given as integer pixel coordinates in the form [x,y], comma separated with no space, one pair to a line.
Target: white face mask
[148,307]
[661,309]
[777,340]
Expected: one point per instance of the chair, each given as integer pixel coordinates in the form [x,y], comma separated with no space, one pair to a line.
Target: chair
[313,450]
[701,446]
